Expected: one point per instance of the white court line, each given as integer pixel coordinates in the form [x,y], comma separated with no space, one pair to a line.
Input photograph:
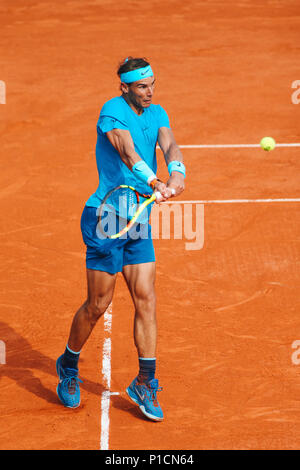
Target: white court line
[233,201]
[230,146]
[106,379]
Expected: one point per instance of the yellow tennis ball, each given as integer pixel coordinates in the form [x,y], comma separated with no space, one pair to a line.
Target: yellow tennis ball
[267,143]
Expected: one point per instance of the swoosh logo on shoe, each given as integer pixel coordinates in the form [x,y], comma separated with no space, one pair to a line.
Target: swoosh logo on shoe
[140,396]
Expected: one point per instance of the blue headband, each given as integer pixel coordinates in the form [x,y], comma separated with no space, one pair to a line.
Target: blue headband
[135,75]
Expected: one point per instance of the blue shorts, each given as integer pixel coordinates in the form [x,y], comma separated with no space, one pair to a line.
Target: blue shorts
[104,254]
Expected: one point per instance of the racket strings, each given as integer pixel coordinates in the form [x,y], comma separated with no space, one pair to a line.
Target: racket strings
[120,209]
[122,201]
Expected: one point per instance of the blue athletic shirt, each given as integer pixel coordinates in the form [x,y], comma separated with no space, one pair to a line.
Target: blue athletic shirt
[117,114]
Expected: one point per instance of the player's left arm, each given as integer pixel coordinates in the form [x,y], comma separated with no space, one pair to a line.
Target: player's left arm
[172,153]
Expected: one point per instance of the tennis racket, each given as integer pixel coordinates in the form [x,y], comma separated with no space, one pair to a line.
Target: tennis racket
[124,201]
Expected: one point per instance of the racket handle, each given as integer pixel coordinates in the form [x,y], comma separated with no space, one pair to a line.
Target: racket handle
[158,195]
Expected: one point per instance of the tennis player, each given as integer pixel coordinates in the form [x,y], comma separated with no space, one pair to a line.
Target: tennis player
[128,130]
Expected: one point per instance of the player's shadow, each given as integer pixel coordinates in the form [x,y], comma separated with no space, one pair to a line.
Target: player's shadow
[23,364]
[124,404]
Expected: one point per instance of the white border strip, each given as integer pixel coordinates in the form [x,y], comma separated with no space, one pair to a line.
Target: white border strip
[233,201]
[106,380]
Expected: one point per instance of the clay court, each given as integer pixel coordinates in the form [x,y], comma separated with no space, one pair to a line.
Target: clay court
[228,314]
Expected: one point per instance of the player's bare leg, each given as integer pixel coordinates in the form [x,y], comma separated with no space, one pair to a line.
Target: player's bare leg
[140,279]
[100,293]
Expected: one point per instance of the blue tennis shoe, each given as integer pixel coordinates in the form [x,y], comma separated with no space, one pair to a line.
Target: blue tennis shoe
[68,390]
[144,395]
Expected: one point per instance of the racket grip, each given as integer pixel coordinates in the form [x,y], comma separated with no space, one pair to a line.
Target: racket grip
[158,195]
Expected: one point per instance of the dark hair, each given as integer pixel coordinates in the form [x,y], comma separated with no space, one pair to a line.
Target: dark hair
[132,64]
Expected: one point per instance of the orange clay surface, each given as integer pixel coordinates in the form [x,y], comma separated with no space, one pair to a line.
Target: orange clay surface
[228,314]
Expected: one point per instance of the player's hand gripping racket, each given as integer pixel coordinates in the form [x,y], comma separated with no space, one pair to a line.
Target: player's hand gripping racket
[124,201]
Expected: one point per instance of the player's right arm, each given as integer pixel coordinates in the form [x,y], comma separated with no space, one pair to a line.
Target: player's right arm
[122,141]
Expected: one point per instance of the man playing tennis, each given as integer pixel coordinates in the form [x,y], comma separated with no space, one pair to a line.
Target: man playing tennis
[129,128]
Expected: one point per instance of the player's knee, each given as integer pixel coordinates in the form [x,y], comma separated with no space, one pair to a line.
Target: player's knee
[144,291]
[145,301]
[96,308]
